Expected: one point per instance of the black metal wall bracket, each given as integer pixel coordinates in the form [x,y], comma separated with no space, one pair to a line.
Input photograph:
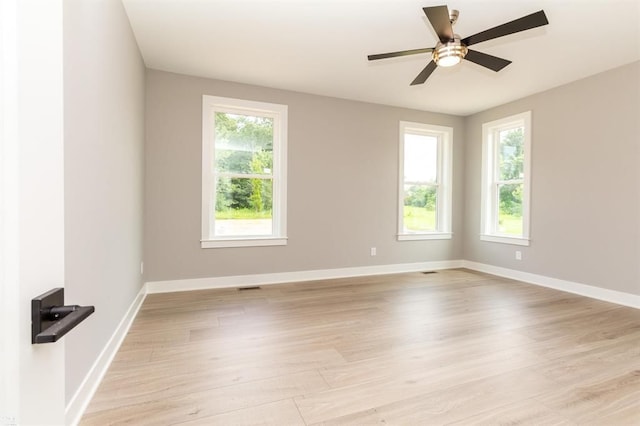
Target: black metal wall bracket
[51,319]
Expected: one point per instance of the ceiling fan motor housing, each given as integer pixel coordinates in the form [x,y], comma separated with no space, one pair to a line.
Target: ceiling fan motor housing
[450,53]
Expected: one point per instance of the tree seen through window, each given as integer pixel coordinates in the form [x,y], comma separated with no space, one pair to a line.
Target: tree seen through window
[244,171]
[510,180]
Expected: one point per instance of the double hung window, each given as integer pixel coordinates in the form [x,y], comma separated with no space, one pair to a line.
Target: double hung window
[424,205]
[243,173]
[505,179]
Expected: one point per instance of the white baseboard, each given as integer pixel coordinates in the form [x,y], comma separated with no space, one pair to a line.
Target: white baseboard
[296,276]
[613,296]
[78,404]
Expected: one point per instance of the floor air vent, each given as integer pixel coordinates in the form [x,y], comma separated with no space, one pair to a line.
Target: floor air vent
[429,272]
[254,287]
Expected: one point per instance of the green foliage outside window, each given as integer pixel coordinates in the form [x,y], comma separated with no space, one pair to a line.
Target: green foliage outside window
[421,196]
[511,168]
[511,157]
[244,145]
[420,208]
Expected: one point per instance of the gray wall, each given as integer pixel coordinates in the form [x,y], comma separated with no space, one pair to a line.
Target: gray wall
[342,184]
[104,140]
[585,200]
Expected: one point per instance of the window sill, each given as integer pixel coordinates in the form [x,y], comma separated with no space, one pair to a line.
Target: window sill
[244,242]
[430,236]
[519,241]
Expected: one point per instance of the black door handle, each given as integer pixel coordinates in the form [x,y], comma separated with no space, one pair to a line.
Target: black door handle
[51,319]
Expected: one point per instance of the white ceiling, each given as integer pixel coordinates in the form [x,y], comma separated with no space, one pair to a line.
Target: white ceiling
[321,46]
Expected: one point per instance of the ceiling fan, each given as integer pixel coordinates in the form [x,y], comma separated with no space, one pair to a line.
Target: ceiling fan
[451,49]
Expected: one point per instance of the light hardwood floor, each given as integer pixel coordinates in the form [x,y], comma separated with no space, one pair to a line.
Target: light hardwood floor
[454,347]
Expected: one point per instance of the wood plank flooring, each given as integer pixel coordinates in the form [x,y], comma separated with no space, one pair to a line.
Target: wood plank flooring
[454,347]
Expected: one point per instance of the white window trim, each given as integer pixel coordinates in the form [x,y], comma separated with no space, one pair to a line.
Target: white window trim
[488,195]
[445,180]
[213,104]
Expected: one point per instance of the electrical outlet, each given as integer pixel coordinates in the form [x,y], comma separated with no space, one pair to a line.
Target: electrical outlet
[141,268]
[518,255]
[373,251]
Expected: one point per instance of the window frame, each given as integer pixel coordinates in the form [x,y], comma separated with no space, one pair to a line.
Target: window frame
[279,113]
[444,180]
[490,183]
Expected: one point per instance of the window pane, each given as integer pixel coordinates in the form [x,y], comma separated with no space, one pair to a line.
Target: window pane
[419,210]
[510,209]
[243,207]
[420,158]
[243,144]
[511,154]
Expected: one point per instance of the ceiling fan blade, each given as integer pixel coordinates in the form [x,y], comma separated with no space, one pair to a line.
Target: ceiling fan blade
[528,22]
[425,73]
[488,61]
[400,53]
[439,18]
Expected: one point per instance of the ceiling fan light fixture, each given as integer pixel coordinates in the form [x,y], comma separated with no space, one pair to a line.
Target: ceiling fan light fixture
[449,54]
[448,61]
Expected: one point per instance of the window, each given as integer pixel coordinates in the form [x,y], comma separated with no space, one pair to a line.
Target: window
[243,173]
[505,179]
[425,182]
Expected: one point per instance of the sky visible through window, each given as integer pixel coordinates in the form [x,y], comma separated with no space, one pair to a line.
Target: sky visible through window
[420,158]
